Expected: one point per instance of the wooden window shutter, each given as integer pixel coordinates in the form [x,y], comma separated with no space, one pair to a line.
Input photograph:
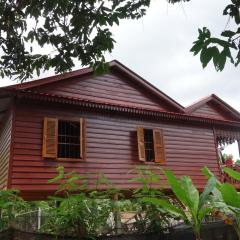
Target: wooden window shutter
[141,146]
[159,150]
[82,138]
[50,138]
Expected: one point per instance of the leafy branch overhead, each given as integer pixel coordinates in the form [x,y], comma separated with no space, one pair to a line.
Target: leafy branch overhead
[76,30]
[227,47]
[42,34]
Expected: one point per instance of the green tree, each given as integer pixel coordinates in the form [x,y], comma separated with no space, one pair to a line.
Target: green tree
[74,29]
[219,49]
[81,30]
[226,47]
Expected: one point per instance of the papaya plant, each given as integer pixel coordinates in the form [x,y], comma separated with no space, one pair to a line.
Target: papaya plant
[80,211]
[149,217]
[10,205]
[193,206]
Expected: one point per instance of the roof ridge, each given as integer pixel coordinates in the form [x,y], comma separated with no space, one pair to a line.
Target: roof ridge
[198,100]
[113,64]
[49,79]
[213,97]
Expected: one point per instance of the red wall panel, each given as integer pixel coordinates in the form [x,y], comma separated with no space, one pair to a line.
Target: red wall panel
[111,88]
[111,148]
[210,111]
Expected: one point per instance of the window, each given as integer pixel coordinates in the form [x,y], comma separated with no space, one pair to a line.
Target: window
[150,145]
[68,139]
[63,139]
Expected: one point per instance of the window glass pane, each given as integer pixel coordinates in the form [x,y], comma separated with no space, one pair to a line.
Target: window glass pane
[68,139]
[149,146]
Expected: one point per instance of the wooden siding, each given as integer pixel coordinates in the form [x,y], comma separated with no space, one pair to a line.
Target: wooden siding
[107,88]
[210,111]
[5,141]
[111,148]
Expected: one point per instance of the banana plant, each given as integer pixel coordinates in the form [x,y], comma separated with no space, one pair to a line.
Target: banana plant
[230,197]
[191,200]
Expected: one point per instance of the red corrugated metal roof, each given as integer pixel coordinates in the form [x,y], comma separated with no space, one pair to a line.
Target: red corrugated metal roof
[222,105]
[182,116]
[48,80]
[30,87]
[113,65]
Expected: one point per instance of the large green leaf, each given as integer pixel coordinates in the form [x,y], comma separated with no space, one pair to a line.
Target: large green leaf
[207,190]
[176,187]
[209,174]
[167,206]
[230,195]
[202,213]
[185,191]
[228,33]
[197,47]
[206,56]
[191,194]
[232,173]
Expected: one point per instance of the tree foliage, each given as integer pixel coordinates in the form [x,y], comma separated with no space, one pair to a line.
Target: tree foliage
[226,47]
[80,211]
[10,206]
[81,30]
[74,29]
[84,211]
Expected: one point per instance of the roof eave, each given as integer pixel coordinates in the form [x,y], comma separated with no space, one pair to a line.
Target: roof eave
[113,65]
[126,109]
[148,85]
[215,99]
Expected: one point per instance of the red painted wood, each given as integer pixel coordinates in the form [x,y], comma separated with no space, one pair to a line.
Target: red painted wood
[213,107]
[114,67]
[108,88]
[111,148]
[211,111]
[111,139]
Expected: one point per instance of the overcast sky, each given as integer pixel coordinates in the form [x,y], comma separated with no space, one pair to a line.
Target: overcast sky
[157,48]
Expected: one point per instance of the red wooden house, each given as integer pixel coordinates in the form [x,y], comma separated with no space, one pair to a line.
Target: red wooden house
[105,124]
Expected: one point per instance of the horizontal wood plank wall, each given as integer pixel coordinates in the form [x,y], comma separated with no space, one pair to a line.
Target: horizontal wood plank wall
[110,88]
[111,148]
[5,140]
[210,111]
